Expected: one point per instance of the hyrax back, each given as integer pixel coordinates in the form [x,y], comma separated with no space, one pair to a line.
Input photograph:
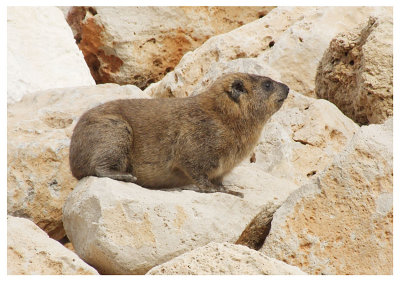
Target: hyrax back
[164,143]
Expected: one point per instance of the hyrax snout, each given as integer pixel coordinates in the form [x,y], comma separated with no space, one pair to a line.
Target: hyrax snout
[173,142]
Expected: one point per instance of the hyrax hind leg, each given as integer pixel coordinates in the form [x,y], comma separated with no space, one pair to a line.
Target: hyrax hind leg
[112,155]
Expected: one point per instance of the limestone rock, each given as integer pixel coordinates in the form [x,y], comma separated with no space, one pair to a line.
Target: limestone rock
[356,71]
[38,135]
[302,138]
[224,259]
[342,223]
[31,251]
[247,41]
[297,52]
[288,43]
[260,188]
[244,65]
[139,45]
[122,228]
[41,52]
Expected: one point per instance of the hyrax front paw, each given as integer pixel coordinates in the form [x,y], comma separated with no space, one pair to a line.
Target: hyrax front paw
[223,189]
[212,188]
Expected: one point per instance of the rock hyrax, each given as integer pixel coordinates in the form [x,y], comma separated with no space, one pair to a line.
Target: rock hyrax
[173,142]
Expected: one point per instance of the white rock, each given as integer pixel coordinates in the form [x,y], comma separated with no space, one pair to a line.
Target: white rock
[302,138]
[342,223]
[31,251]
[64,10]
[298,51]
[139,45]
[247,41]
[41,52]
[122,228]
[288,42]
[224,259]
[244,65]
[38,135]
[259,188]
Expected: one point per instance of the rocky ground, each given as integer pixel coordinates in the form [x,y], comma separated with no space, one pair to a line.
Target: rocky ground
[318,191]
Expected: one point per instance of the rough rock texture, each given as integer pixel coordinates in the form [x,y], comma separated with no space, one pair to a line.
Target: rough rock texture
[41,52]
[260,188]
[302,138]
[247,41]
[288,41]
[298,142]
[298,51]
[31,251]
[224,259]
[39,128]
[217,69]
[339,222]
[342,223]
[139,45]
[356,72]
[126,229]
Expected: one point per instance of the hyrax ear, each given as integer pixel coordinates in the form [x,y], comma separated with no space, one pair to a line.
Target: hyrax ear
[237,88]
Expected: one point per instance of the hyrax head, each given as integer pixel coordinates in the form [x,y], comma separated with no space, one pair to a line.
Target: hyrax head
[250,96]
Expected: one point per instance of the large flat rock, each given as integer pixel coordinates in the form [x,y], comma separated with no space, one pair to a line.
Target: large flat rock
[122,228]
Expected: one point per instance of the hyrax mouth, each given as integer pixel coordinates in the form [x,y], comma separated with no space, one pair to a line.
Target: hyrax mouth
[284,93]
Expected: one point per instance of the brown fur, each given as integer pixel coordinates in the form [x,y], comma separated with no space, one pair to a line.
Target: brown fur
[173,142]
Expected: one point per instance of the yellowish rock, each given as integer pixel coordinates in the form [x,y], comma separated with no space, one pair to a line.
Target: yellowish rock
[302,138]
[287,44]
[356,71]
[122,228]
[342,223]
[31,251]
[224,259]
[38,135]
[139,45]
[248,41]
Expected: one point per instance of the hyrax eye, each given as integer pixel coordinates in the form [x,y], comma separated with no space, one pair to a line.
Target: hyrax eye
[267,85]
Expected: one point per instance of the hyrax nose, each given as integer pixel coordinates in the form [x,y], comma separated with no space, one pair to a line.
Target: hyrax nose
[285,89]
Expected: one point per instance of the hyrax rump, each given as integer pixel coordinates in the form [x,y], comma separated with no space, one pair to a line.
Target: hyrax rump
[173,142]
